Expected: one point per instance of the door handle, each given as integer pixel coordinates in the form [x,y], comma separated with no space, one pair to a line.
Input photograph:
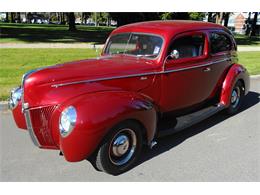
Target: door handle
[208,69]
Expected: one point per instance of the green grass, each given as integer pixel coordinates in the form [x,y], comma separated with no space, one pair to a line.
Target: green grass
[243,40]
[15,62]
[251,60]
[51,33]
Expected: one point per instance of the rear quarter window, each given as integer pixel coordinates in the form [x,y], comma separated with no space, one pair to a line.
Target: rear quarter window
[220,42]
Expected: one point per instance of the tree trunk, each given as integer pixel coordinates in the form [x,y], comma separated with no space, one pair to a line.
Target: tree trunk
[18,17]
[219,18]
[63,18]
[6,17]
[12,17]
[226,19]
[59,17]
[71,21]
[253,29]
[248,24]
[210,17]
[85,19]
[29,17]
[82,17]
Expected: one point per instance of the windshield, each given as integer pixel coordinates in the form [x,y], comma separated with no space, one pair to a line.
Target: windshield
[134,44]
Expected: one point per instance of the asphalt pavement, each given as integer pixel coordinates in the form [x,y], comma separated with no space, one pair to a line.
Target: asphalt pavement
[220,148]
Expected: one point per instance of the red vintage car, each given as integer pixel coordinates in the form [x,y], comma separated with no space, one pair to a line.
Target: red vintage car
[152,79]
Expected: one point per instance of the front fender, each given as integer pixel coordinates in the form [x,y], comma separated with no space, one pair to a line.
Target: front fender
[97,113]
[235,73]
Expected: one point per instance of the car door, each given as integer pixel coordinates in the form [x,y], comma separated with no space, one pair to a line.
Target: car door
[186,80]
[222,53]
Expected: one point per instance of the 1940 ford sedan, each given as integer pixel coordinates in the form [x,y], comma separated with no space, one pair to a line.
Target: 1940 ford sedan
[152,79]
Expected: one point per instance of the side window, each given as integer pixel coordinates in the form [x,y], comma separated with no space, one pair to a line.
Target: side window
[188,46]
[220,43]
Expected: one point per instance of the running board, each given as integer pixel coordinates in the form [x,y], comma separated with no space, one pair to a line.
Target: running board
[188,120]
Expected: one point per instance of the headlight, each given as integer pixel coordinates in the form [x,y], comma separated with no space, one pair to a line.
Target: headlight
[67,120]
[15,97]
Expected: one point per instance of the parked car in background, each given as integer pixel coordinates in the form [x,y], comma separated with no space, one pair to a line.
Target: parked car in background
[153,79]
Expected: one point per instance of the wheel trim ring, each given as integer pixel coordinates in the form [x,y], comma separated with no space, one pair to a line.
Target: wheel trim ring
[235,97]
[131,148]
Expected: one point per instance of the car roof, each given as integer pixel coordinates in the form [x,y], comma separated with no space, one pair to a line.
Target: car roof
[168,27]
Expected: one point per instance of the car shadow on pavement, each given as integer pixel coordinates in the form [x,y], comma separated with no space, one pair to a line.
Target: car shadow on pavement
[167,143]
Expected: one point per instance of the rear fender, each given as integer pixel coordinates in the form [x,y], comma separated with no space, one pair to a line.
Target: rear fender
[235,73]
[97,113]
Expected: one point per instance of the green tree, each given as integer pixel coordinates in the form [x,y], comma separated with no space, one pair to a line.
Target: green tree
[100,17]
[123,18]
[196,15]
[182,15]
[166,15]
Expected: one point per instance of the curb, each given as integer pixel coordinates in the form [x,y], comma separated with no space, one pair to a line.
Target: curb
[255,76]
[4,104]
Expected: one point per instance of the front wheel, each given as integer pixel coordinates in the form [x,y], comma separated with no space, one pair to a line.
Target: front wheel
[120,150]
[236,98]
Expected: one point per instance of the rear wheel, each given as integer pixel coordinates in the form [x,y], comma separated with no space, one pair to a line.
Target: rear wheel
[236,98]
[120,150]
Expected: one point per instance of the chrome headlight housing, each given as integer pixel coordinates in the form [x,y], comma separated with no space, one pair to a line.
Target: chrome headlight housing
[67,121]
[16,95]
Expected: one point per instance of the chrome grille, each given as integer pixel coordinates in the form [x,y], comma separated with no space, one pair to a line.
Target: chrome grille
[37,119]
[40,121]
[30,128]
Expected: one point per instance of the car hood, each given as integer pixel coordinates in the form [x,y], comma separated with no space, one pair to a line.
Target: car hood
[92,69]
[56,84]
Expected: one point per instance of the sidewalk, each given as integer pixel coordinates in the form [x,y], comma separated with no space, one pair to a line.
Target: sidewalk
[50,45]
[86,45]
[248,48]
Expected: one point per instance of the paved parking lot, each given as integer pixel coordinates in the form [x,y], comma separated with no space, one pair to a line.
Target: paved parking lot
[218,149]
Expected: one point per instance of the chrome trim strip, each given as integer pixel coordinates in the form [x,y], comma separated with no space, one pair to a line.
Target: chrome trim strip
[26,112]
[104,79]
[30,128]
[138,75]
[199,66]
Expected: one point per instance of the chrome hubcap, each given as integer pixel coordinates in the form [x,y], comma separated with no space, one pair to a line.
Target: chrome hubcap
[235,97]
[122,147]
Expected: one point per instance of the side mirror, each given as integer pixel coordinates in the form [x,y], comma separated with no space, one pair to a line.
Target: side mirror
[174,54]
